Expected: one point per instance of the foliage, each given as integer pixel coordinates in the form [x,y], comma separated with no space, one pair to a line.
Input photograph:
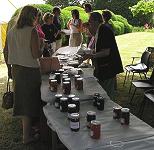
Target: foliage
[142,29]
[144,11]
[120,7]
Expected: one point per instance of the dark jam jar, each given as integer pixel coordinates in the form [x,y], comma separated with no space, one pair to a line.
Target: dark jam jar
[95,129]
[96,95]
[79,83]
[66,88]
[68,80]
[60,71]
[58,77]
[125,115]
[75,79]
[57,100]
[70,98]
[53,85]
[116,112]
[63,78]
[76,101]
[71,109]
[63,104]
[100,103]
[75,122]
[91,115]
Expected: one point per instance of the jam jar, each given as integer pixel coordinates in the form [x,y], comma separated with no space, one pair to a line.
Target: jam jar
[68,80]
[125,115]
[53,85]
[95,97]
[57,100]
[100,103]
[63,104]
[76,101]
[71,109]
[70,98]
[75,122]
[91,115]
[66,88]
[95,129]
[79,83]
[75,79]
[117,112]
[58,77]
[64,77]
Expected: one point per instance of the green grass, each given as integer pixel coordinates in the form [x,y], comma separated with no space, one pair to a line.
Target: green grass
[129,44]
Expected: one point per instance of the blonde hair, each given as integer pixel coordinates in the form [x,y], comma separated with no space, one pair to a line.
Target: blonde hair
[27,16]
[47,16]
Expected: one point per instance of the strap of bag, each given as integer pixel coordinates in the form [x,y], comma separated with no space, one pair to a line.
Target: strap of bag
[8,85]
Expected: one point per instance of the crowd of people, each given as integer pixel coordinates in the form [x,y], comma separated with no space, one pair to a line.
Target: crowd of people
[29,40]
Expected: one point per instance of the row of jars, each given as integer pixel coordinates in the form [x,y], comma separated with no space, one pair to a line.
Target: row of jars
[66,82]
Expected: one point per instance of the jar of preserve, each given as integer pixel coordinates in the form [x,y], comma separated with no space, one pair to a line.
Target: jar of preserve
[100,103]
[53,85]
[116,112]
[57,100]
[68,80]
[71,109]
[66,88]
[96,95]
[95,129]
[79,83]
[125,115]
[65,74]
[58,77]
[76,101]
[70,98]
[75,122]
[75,79]
[91,115]
[79,71]
[63,104]
[63,78]
[61,71]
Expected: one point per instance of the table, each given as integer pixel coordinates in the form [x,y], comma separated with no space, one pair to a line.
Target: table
[137,136]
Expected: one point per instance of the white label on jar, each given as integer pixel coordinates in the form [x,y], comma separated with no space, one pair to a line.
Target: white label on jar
[114,114]
[98,103]
[91,133]
[60,108]
[56,104]
[74,125]
[122,120]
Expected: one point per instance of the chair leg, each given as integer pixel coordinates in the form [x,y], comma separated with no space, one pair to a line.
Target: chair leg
[132,76]
[130,87]
[145,75]
[125,78]
[140,75]
[133,96]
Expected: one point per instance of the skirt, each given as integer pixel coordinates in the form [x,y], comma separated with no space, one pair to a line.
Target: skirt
[26,87]
[75,39]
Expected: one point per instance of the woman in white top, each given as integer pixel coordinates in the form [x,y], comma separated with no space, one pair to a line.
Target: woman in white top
[75,26]
[22,49]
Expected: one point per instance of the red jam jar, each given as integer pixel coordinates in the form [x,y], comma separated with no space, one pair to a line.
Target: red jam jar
[95,129]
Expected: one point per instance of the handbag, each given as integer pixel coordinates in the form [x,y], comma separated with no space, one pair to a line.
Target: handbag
[7,101]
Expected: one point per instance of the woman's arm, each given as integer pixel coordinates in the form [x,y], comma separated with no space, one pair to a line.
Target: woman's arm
[35,44]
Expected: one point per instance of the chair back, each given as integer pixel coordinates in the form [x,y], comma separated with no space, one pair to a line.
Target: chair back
[152,77]
[145,59]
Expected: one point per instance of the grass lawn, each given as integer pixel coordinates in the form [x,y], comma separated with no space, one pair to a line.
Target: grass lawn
[129,44]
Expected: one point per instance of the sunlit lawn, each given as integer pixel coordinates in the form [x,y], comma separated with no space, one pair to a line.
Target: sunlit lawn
[129,44]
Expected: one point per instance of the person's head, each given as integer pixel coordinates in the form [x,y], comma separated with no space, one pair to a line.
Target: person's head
[27,16]
[95,18]
[56,11]
[39,18]
[48,18]
[106,15]
[75,14]
[87,8]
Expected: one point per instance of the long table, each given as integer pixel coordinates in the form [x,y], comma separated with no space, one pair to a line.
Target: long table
[137,136]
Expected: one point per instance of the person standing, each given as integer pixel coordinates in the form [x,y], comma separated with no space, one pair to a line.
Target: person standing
[75,26]
[22,49]
[57,23]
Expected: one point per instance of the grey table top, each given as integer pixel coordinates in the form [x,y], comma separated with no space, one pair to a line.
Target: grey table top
[137,136]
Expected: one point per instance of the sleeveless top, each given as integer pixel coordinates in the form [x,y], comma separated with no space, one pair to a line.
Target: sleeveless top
[19,47]
[73,24]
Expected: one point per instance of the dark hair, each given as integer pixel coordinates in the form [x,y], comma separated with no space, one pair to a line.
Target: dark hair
[27,16]
[47,16]
[88,5]
[106,15]
[56,9]
[76,13]
[96,16]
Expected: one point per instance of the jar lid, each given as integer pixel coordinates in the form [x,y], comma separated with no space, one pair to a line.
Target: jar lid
[57,73]
[77,76]
[58,95]
[100,97]
[63,98]
[95,122]
[65,74]
[61,70]
[66,82]
[71,105]
[71,96]
[91,113]
[125,109]
[117,107]
[79,79]
[67,79]
[75,99]
[96,94]
[53,81]
[75,115]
